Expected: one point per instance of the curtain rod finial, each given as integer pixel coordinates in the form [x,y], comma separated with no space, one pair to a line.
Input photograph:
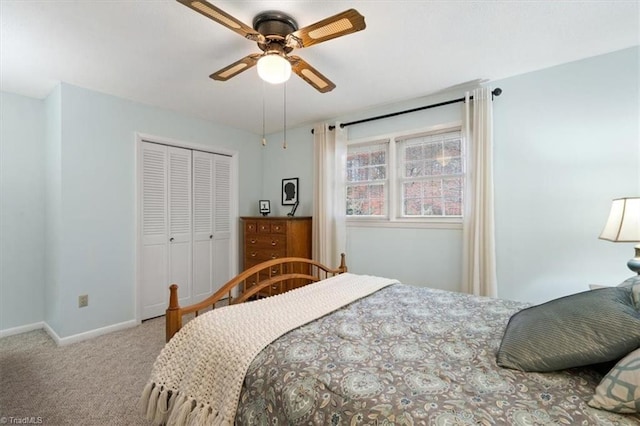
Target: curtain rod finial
[497,91]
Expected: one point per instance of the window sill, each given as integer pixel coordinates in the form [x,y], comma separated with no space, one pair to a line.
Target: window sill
[405,223]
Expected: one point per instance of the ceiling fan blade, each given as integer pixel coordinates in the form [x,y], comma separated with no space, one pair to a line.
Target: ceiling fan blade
[223,18]
[311,75]
[338,25]
[236,68]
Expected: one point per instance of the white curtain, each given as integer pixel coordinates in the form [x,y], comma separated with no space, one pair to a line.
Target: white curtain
[479,259]
[329,203]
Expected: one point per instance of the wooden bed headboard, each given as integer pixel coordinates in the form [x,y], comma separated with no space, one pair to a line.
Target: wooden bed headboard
[262,280]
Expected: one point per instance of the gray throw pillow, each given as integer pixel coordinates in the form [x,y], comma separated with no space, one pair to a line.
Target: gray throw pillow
[582,329]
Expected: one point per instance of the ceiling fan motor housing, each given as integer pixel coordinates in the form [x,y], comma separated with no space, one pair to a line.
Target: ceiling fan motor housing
[275,26]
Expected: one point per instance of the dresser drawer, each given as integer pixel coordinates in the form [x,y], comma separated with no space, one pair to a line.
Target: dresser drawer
[263,227]
[262,255]
[279,227]
[265,242]
[250,227]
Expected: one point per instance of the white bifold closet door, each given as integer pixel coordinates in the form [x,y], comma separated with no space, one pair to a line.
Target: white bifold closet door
[212,224]
[186,225]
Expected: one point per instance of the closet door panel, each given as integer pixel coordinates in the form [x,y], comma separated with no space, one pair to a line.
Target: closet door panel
[203,224]
[222,221]
[180,221]
[155,295]
[154,268]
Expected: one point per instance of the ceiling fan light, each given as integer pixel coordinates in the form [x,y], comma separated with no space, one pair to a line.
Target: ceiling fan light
[274,69]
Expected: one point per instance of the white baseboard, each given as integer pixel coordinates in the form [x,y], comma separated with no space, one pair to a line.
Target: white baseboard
[62,341]
[22,329]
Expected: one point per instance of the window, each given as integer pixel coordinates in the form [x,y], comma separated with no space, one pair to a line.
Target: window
[431,175]
[410,177]
[367,180]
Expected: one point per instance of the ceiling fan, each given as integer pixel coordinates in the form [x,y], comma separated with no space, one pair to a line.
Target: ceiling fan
[277,34]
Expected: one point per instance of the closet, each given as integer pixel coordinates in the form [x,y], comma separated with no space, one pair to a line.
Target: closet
[185,224]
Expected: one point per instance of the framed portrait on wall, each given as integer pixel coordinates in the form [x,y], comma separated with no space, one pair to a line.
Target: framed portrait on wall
[289,191]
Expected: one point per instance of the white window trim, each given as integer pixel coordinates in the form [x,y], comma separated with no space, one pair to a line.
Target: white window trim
[392,219]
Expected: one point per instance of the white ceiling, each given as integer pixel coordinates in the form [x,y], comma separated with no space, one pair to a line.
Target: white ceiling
[161,53]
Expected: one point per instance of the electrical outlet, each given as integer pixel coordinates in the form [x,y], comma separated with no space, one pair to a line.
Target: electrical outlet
[83,301]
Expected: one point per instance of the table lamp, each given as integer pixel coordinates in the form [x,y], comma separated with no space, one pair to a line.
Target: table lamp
[623,225]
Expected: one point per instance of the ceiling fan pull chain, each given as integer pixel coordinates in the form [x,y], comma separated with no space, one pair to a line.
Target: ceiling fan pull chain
[284,144]
[264,140]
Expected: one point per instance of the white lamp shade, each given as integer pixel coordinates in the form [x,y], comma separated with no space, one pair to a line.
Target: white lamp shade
[274,69]
[623,224]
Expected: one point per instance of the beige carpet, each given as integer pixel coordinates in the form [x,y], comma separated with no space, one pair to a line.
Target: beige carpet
[95,382]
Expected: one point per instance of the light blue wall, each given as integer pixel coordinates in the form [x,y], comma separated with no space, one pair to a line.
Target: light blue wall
[295,161]
[22,220]
[566,143]
[97,230]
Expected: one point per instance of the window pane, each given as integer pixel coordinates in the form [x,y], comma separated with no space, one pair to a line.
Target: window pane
[412,207]
[433,188]
[452,166]
[379,157]
[413,152]
[413,168]
[432,207]
[432,168]
[433,150]
[452,148]
[378,173]
[365,200]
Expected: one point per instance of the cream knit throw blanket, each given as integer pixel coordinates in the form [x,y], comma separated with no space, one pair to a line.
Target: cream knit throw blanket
[198,376]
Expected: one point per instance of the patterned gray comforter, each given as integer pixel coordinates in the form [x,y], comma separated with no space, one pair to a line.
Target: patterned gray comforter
[407,355]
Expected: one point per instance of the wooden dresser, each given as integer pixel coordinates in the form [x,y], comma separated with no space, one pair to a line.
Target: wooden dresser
[266,238]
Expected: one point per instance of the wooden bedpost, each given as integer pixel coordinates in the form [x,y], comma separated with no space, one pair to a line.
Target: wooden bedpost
[173,317]
[343,263]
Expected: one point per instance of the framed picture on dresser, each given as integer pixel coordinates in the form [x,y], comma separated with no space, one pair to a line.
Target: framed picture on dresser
[265,207]
[289,191]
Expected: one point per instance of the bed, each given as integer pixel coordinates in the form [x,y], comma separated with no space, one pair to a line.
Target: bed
[352,349]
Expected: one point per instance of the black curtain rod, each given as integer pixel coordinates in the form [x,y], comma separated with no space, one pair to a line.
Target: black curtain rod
[496,92]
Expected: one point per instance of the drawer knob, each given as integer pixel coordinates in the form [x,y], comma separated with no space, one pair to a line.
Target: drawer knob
[252,241]
[274,242]
[253,254]
[274,256]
